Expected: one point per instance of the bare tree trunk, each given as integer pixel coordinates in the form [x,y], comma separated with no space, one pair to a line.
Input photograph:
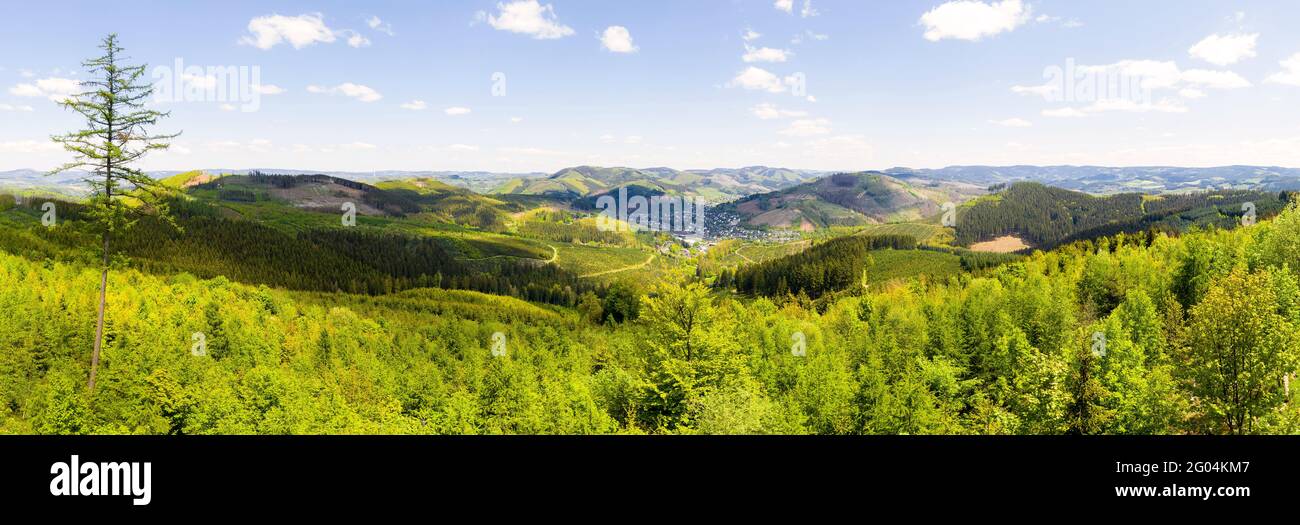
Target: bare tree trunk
[99,326]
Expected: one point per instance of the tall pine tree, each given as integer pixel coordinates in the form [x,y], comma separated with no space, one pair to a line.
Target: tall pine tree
[115,137]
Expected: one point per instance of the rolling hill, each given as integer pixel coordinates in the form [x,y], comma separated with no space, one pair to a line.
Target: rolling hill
[716,185]
[1108,180]
[1045,216]
[848,199]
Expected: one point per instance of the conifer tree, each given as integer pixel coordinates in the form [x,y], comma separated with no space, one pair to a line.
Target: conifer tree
[115,138]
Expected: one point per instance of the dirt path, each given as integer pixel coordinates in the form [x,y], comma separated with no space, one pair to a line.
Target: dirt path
[617,270]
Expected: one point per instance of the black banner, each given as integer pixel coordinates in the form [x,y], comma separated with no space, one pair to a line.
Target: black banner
[159,475]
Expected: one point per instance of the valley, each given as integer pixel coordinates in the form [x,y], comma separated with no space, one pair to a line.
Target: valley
[388,313]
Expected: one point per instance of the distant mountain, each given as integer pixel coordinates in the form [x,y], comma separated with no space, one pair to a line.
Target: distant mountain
[479,181]
[433,198]
[849,199]
[1104,180]
[66,184]
[716,185]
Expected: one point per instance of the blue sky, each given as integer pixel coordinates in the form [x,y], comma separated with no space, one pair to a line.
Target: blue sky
[826,84]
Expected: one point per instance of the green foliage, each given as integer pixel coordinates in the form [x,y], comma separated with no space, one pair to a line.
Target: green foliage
[1047,217]
[1200,336]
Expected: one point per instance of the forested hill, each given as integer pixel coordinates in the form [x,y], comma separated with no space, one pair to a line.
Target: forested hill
[846,199]
[1046,216]
[1012,351]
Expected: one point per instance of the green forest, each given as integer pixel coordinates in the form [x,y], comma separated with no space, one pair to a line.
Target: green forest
[1047,217]
[231,327]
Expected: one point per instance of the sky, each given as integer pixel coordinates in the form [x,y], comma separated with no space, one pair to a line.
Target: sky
[539,85]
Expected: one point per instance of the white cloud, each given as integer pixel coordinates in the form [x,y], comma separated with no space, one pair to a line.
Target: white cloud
[756,78]
[358,146]
[356,39]
[228,107]
[462,147]
[1290,74]
[528,17]
[808,127]
[764,54]
[1215,79]
[767,111]
[53,88]
[1097,82]
[254,146]
[808,10]
[268,89]
[785,5]
[456,111]
[1222,50]
[29,146]
[1046,90]
[751,35]
[1132,106]
[357,91]
[1012,123]
[617,39]
[299,31]
[1191,93]
[973,20]
[378,25]
[416,105]
[632,139]
[516,120]
[199,82]
[1063,113]
[10,107]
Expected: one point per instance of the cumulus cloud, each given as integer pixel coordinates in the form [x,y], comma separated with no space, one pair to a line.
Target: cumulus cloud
[527,17]
[357,91]
[767,111]
[457,111]
[268,89]
[378,25]
[298,31]
[759,79]
[785,5]
[1215,79]
[416,105]
[53,88]
[1223,50]
[750,35]
[29,146]
[808,127]
[1134,78]
[11,107]
[973,20]
[764,54]
[356,39]
[1290,73]
[617,39]
[808,10]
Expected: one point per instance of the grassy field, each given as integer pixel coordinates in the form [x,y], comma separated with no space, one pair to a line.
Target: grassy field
[586,260]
